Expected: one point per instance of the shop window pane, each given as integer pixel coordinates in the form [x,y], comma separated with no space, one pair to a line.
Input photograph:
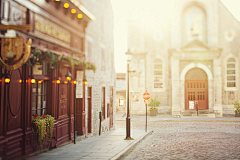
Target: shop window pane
[230,65]
[230,77]
[158,85]
[157,72]
[231,60]
[230,71]
[158,61]
[157,79]
[157,66]
[121,102]
[231,84]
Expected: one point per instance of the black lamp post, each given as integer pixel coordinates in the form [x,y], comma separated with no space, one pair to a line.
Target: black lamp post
[128,118]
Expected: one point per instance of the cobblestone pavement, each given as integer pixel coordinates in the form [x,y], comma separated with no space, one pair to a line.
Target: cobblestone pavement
[187,140]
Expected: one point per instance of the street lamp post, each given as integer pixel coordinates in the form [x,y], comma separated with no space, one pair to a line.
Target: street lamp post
[128,119]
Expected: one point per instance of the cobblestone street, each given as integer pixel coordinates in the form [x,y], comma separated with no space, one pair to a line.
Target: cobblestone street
[187,139]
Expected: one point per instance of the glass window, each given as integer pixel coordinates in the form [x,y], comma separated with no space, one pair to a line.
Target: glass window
[121,101]
[158,74]
[231,73]
[39,90]
[39,98]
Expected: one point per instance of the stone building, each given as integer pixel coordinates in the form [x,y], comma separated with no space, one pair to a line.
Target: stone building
[100,51]
[47,55]
[188,56]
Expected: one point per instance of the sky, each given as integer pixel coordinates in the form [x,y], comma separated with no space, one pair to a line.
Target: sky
[122,9]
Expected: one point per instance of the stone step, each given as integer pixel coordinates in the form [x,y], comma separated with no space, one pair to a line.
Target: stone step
[209,115]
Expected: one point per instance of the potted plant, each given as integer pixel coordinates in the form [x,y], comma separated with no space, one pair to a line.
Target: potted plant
[237,109]
[152,106]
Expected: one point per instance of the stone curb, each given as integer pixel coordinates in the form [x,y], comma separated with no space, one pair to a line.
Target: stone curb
[190,120]
[121,154]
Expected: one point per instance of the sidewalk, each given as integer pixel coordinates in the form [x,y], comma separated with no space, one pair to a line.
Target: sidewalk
[110,145]
[162,117]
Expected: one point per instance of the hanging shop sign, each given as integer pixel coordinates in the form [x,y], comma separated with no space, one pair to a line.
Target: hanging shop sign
[79,85]
[12,56]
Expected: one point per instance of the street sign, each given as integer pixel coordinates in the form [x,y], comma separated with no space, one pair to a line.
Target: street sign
[146,95]
[146,101]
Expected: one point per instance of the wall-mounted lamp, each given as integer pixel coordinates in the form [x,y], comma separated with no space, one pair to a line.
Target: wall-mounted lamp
[68,76]
[33,80]
[58,81]
[65,82]
[85,81]
[7,79]
[20,81]
[74,81]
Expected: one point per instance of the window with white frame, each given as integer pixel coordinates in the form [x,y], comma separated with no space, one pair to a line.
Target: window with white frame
[231,73]
[158,73]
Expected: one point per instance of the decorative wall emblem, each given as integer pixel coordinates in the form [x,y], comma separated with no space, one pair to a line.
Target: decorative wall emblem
[12,56]
[229,35]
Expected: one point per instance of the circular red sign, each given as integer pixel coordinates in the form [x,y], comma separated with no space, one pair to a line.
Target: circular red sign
[146,96]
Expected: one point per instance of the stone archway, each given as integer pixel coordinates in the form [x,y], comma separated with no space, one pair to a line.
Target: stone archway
[210,84]
[196,89]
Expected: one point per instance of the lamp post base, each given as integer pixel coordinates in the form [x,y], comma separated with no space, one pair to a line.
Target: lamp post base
[128,129]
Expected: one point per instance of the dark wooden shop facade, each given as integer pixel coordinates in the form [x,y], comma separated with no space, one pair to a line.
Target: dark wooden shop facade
[57,29]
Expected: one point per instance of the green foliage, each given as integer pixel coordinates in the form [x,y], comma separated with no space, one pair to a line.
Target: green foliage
[43,128]
[153,104]
[39,54]
[237,106]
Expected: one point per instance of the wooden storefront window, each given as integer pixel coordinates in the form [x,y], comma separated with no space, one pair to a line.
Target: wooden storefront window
[39,90]
[39,98]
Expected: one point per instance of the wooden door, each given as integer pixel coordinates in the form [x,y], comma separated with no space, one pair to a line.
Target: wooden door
[80,104]
[196,89]
[63,109]
[111,108]
[89,109]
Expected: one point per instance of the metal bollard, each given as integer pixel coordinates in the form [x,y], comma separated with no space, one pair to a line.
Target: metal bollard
[100,117]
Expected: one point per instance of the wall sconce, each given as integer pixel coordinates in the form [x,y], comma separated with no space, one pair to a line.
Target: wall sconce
[74,82]
[68,76]
[33,80]
[85,81]
[58,81]
[40,81]
[7,79]
[20,81]
[65,82]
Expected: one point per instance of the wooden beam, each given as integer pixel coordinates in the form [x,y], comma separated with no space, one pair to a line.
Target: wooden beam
[15,27]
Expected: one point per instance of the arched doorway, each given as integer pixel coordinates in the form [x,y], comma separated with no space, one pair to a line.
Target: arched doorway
[196,89]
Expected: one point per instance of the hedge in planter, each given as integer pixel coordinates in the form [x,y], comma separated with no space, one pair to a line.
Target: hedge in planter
[43,128]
